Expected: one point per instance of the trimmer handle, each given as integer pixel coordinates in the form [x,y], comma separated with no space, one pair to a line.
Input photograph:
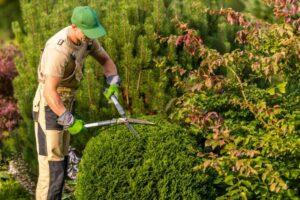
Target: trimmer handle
[118,105]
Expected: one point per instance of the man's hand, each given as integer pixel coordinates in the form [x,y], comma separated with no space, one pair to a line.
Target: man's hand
[113,79]
[68,121]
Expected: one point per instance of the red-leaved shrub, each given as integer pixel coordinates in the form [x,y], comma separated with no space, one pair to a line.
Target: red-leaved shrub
[9,115]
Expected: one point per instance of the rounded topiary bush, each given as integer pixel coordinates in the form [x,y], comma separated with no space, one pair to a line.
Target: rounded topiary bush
[116,165]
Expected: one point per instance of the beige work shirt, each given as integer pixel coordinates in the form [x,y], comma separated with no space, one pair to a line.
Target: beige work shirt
[62,58]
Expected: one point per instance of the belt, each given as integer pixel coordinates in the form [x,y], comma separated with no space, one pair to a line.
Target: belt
[61,89]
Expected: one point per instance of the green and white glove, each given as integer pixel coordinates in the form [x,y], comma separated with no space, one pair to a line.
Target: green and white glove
[67,120]
[113,89]
[114,84]
[76,127]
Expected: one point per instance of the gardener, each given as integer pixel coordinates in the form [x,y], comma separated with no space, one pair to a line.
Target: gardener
[59,75]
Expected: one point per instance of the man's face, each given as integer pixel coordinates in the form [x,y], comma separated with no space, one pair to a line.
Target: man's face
[80,36]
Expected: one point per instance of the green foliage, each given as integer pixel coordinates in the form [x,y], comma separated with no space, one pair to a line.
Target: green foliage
[12,190]
[116,165]
[260,10]
[240,104]
[7,7]
[7,148]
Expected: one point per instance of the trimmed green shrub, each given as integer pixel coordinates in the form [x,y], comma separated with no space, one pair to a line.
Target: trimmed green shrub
[116,165]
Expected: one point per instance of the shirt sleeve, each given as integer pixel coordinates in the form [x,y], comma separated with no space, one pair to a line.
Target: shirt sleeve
[54,62]
[96,48]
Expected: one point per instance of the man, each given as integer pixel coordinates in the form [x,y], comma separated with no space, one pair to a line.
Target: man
[59,75]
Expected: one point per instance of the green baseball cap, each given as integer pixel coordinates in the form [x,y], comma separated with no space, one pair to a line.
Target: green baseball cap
[86,19]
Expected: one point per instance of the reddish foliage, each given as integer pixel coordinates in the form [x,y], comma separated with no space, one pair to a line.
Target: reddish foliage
[288,9]
[189,40]
[7,65]
[9,115]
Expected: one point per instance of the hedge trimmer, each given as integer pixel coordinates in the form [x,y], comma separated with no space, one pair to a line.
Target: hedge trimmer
[122,120]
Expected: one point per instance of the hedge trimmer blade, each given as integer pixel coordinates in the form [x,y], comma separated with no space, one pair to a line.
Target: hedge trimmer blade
[123,114]
[132,129]
[122,120]
[136,121]
[118,121]
[139,121]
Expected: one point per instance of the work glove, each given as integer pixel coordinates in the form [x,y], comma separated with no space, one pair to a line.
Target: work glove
[112,90]
[76,127]
[67,120]
[114,84]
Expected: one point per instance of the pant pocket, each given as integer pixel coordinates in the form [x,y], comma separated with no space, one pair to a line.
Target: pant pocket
[41,141]
[51,120]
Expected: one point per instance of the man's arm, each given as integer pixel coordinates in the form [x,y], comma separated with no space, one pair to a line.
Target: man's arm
[51,95]
[108,64]
[65,119]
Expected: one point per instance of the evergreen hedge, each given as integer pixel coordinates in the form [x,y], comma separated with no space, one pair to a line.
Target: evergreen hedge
[116,165]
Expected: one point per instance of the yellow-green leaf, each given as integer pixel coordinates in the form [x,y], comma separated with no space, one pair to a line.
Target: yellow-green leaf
[243,196]
[271,91]
[281,87]
[229,180]
[273,187]
[5,133]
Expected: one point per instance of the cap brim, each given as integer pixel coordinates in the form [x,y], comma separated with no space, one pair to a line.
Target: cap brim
[94,33]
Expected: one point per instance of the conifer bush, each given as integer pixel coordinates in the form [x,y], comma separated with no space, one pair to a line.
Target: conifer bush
[116,165]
